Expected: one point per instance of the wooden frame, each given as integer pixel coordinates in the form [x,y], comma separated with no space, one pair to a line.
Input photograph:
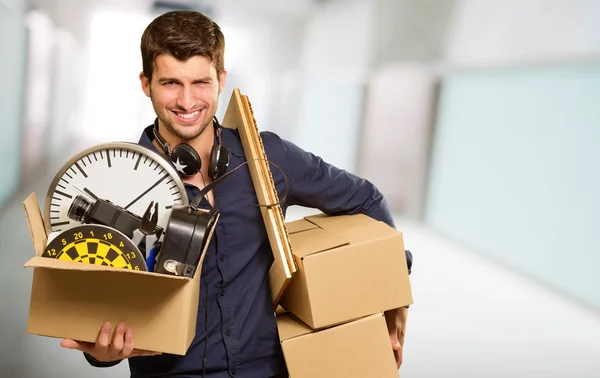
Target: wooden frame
[239,115]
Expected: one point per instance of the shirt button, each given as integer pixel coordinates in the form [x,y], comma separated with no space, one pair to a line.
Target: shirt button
[222,293]
[222,257]
[228,332]
[233,372]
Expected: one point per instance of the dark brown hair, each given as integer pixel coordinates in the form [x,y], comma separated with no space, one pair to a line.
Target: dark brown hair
[182,34]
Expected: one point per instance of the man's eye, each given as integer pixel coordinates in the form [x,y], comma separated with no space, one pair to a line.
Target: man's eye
[169,82]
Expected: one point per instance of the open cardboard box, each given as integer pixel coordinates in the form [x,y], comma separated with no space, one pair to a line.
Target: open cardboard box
[73,300]
[357,349]
[349,266]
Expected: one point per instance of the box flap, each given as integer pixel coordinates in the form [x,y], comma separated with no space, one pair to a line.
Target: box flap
[280,310]
[368,232]
[300,225]
[36,224]
[290,326]
[315,240]
[339,222]
[49,263]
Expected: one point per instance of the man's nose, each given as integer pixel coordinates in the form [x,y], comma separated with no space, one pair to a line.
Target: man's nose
[186,98]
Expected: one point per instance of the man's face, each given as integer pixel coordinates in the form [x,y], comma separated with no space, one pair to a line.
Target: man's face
[185,95]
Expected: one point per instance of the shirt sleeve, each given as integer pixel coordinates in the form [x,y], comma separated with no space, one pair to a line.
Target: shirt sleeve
[94,362]
[317,184]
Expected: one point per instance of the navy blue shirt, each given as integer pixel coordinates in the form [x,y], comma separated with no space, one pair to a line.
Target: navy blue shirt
[242,337]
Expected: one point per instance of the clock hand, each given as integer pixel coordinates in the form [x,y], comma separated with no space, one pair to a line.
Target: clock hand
[90,193]
[86,191]
[147,190]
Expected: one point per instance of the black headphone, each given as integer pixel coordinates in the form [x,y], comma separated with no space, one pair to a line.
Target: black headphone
[186,159]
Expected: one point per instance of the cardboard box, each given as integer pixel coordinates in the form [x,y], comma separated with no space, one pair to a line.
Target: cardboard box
[357,349]
[349,266]
[73,300]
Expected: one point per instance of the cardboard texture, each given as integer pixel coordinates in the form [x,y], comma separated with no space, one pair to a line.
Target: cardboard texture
[350,266]
[239,115]
[73,300]
[357,349]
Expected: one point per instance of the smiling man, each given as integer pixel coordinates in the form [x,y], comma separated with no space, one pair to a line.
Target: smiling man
[183,75]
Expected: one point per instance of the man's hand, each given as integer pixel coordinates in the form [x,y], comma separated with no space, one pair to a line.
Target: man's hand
[396,323]
[103,350]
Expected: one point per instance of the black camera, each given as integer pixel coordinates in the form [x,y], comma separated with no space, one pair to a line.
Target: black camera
[106,213]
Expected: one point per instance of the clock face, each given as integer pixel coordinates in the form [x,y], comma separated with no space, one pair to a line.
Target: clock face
[126,174]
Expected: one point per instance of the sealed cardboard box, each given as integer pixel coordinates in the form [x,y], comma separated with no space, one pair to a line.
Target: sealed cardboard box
[357,349]
[72,300]
[349,266]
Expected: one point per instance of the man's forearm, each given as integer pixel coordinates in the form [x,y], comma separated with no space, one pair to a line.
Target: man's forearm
[397,318]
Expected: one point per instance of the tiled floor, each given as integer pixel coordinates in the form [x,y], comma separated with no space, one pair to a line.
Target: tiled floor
[471,318]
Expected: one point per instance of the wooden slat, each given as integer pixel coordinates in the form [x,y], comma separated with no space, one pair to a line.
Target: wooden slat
[239,115]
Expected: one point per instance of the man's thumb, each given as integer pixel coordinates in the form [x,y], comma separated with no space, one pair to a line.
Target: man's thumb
[70,344]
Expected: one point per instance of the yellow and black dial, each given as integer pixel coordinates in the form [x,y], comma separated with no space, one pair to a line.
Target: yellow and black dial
[96,244]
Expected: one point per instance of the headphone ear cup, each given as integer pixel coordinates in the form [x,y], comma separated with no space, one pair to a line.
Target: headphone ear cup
[186,159]
[219,161]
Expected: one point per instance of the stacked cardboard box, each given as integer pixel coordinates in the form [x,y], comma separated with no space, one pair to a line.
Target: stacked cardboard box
[351,269]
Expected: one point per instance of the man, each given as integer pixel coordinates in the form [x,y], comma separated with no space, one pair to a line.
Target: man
[183,75]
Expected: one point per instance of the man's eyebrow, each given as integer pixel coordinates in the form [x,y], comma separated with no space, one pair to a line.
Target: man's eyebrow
[166,79]
[206,79]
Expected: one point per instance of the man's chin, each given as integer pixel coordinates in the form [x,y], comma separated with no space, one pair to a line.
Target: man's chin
[188,132]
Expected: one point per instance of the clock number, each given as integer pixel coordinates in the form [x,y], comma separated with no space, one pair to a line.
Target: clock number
[107,236]
[137,267]
[92,233]
[64,242]
[78,235]
[53,252]
[131,255]
[121,245]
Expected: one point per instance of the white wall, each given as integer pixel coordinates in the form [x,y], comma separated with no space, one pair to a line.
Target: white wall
[514,172]
[262,57]
[13,29]
[335,63]
[394,148]
[516,31]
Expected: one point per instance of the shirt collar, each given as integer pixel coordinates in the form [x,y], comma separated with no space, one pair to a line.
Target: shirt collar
[146,139]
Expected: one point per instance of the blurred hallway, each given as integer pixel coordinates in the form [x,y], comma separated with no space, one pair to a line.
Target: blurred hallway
[477,120]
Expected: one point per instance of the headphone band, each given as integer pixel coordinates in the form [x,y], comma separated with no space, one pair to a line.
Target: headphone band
[161,142]
[165,146]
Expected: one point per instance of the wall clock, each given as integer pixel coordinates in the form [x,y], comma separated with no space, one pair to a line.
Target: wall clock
[126,174]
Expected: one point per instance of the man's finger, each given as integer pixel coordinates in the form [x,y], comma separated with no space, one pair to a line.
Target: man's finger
[104,337]
[117,344]
[128,344]
[102,342]
[398,356]
[394,340]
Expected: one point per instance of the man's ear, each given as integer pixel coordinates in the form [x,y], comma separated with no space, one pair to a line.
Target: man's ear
[222,79]
[145,83]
